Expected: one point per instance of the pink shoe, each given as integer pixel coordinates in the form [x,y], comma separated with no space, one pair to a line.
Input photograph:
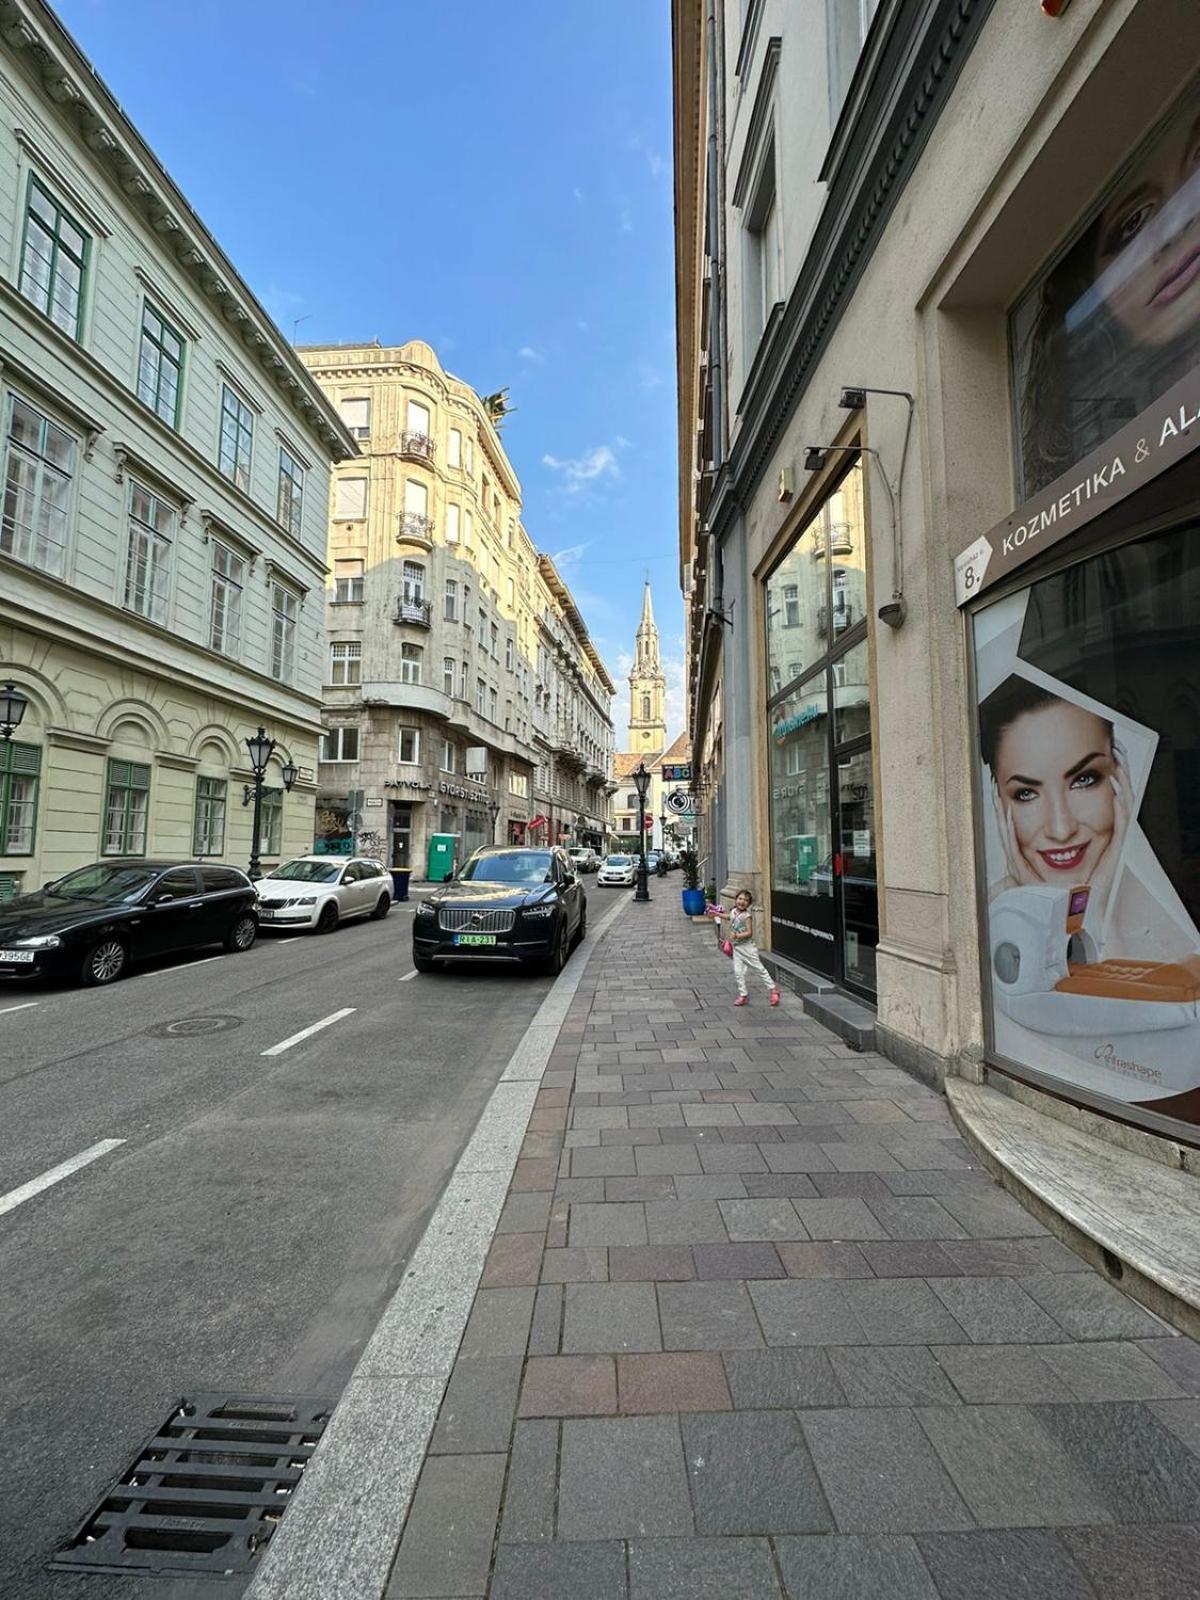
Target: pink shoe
[742,1000]
[774,997]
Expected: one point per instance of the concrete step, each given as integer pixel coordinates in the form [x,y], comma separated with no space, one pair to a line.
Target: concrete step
[1136,1220]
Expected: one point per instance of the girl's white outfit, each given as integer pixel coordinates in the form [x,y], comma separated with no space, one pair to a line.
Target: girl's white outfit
[745,952]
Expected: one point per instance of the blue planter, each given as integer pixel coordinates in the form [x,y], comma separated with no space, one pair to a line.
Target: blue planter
[693,902]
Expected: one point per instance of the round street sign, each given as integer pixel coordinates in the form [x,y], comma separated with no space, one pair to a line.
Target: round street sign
[679,801]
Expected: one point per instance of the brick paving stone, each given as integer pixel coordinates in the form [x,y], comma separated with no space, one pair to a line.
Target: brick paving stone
[498,1325]
[545,1330]
[1021,1564]
[477,1412]
[901,1311]
[650,1264]
[579,1190]
[524,1213]
[1183,1419]
[569,1386]
[860,1158]
[1179,1356]
[667,1159]
[1154,1563]
[539,1174]
[575,1264]
[847,1219]
[992,1216]
[998,1373]
[619,1189]
[996,1311]
[709,1186]
[881,1474]
[1109,1371]
[623,1478]
[607,1224]
[766,1380]
[586,1571]
[824,1259]
[747,1220]
[776,1185]
[805,1312]
[732,1158]
[1089,1308]
[610,1317]
[707,1316]
[737,1261]
[1143,1471]
[674,1381]
[447,1543]
[513,1260]
[855,1567]
[701,1569]
[1009,1469]
[916,1217]
[909,1258]
[532,1480]
[603,1161]
[751,1473]
[685,1222]
[892,1375]
[996,1258]
[797,1156]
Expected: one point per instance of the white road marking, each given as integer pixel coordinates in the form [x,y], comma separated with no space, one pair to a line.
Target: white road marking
[292,938]
[25,1005]
[407,976]
[307,1033]
[182,967]
[16,1197]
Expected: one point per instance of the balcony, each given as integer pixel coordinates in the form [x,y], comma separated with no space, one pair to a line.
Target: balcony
[415,529]
[416,446]
[843,616]
[413,613]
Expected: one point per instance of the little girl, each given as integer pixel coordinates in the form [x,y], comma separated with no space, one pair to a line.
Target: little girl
[745,952]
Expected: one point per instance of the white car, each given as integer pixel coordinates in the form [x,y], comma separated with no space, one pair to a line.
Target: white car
[618,869]
[321,891]
[583,858]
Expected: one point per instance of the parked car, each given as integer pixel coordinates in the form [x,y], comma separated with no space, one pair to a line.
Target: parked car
[507,904]
[617,870]
[321,891]
[583,858]
[91,924]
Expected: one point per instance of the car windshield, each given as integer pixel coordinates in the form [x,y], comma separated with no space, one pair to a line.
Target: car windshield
[308,871]
[529,866]
[105,881]
[617,861]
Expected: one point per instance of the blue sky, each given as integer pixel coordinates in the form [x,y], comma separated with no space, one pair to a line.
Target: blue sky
[492,177]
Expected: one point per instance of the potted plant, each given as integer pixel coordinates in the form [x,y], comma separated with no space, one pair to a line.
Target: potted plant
[693,894]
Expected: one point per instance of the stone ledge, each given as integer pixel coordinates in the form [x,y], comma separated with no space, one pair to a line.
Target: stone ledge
[1130,1217]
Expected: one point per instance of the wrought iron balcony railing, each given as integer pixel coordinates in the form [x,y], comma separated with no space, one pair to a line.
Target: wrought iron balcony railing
[414,526]
[417,445]
[414,613]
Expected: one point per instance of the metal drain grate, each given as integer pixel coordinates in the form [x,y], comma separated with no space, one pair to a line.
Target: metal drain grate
[206,1492]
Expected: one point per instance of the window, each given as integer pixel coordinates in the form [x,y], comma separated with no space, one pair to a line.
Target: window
[494,638]
[350,500]
[416,500]
[419,419]
[356,414]
[448,675]
[270,823]
[631,801]
[54,260]
[463,679]
[481,697]
[126,809]
[847,22]
[492,704]
[791,605]
[208,834]
[453,513]
[468,529]
[469,457]
[518,784]
[39,466]
[626,824]
[410,745]
[645,708]
[345,663]
[237,438]
[20,770]
[761,255]
[348,582]
[285,608]
[290,508]
[410,663]
[228,583]
[450,608]
[509,655]
[511,591]
[447,755]
[148,564]
[413,582]
[454,448]
[512,528]
[160,366]
[339,744]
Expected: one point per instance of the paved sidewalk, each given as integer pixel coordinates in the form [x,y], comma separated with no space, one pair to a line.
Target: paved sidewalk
[753,1325]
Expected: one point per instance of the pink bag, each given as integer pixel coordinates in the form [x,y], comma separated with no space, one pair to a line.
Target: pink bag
[726,947]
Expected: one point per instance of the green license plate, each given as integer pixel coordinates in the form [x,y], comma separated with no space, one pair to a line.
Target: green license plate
[474,938]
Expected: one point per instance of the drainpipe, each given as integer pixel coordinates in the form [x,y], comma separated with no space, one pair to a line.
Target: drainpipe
[713,235]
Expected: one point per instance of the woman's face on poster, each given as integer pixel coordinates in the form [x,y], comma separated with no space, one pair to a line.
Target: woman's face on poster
[1148,250]
[1054,774]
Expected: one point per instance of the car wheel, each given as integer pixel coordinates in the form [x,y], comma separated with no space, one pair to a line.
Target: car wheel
[382,907]
[424,963]
[104,962]
[562,949]
[242,934]
[328,920]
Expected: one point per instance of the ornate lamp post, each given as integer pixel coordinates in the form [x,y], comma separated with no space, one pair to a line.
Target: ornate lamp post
[641,782]
[12,709]
[493,812]
[261,750]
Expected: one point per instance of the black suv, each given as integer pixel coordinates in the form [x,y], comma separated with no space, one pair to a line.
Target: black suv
[514,904]
[90,924]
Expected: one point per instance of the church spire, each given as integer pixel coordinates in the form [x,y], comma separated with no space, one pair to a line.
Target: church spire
[647,686]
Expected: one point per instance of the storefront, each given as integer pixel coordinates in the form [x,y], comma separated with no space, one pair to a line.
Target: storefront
[1083,624]
[824,904]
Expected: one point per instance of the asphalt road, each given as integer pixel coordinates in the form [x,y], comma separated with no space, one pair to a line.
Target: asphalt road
[253,1223]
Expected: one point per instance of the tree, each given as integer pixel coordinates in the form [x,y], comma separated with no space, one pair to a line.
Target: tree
[497,407]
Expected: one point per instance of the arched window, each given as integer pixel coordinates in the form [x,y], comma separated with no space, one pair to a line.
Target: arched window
[645,708]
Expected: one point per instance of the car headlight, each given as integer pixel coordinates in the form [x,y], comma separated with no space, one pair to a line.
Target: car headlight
[40,941]
[537,911]
[427,909]
[307,900]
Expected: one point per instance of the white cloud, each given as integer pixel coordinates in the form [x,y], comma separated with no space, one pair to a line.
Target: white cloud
[588,468]
[656,163]
[626,221]
[621,442]
[528,353]
[573,552]
[648,377]
[577,194]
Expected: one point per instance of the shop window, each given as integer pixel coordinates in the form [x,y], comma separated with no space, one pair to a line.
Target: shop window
[1114,321]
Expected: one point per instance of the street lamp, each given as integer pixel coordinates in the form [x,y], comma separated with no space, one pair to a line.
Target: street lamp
[12,709]
[494,811]
[261,750]
[641,782]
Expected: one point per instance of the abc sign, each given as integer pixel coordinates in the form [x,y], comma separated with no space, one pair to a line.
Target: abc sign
[679,801]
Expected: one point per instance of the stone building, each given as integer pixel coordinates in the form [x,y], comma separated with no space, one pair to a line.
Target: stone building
[166,464]
[647,736]
[464,698]
[938,358]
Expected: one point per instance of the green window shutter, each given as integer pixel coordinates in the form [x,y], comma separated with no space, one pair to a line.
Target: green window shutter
[23,759]
[10,886]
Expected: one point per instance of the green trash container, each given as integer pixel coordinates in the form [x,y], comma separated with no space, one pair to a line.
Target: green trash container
[441,856]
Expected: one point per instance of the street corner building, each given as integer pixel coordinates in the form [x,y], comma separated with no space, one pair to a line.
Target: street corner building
[938,274]
[162,539]
[465,701]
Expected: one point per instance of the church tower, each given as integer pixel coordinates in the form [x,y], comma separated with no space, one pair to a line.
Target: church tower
[647,688]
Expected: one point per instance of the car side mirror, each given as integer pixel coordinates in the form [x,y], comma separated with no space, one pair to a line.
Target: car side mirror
[162,899]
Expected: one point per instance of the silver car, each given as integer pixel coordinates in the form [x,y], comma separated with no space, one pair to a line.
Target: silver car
[321,891]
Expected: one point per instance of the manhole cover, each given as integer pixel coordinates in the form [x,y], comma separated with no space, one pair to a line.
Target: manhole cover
[189,1027]
[206,1492]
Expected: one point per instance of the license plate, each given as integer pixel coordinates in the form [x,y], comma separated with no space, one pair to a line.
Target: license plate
[265,916]
[474,938]
[24,956]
